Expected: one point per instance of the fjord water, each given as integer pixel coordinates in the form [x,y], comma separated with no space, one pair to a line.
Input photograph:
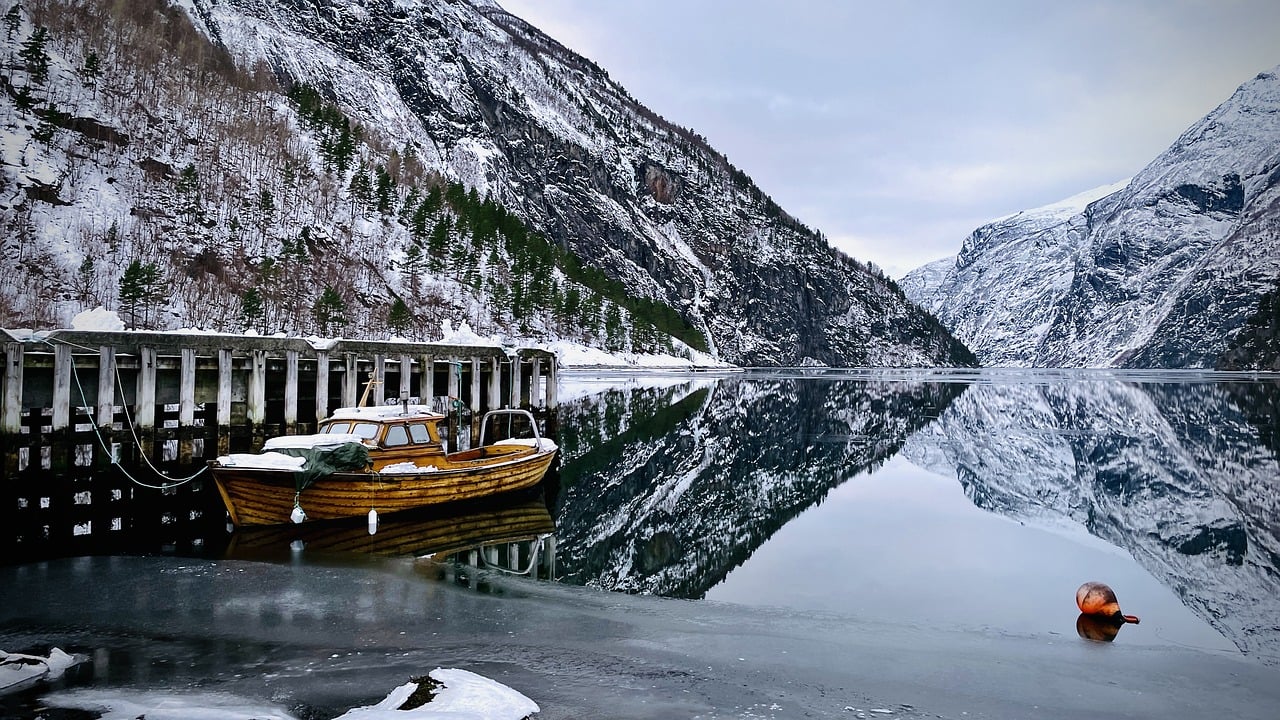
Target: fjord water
[939,499]
[774,544]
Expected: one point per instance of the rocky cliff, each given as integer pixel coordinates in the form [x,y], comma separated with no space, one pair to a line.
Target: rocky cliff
[331,118]
[1162,272]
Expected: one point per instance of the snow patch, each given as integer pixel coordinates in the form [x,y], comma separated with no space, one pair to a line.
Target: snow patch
[99,319]
[262,461]
[465,696]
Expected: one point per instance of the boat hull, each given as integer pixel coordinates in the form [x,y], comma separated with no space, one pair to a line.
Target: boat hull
[266,497]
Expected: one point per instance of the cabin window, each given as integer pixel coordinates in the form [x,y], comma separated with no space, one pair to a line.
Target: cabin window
[419,433]
[396,435]
[337,428]
[366,430]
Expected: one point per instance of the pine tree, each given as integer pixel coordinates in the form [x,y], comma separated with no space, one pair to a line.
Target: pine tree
[12,20]
[384,189]
[50,120]
[361,189]
[399,318]
[91,69]
[418,225]
[344,149]
[140,287]
[34,56]
[22,98]
[266,210]
[434,201]
[614,333]
[251,308]
[303,248]
[84,279]
[412,266]
[330,311]
[571,305]
[410,206]
[188,190]
[438,244]
[591,315]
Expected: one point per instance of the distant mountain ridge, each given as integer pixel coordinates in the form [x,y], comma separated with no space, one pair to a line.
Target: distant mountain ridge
[1162,272]
[220,170]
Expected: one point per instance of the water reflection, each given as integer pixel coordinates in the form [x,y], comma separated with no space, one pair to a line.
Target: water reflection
[442,531]
[1097,627]
[668,489]
[1183,475]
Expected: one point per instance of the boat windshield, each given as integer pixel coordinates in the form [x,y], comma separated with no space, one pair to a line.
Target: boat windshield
[366,430]
[419,433]
[396,435]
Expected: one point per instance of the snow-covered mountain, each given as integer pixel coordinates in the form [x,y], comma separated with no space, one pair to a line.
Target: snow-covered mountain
[291,148]
[1182,475]
[1162,271]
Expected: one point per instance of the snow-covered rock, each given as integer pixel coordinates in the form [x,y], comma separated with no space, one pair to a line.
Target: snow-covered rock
[461,695]
[1160,272]
[19,671]
[455,695]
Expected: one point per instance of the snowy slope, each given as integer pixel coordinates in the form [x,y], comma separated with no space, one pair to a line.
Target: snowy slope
[1161,272]
[454,90]
[1000,292]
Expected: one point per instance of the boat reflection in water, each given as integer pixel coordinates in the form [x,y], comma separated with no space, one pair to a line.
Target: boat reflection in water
[513,535]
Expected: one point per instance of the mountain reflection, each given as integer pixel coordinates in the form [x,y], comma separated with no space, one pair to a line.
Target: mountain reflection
[666,490]
[1182,474]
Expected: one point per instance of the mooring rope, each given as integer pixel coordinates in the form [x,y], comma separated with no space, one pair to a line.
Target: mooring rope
[124,407]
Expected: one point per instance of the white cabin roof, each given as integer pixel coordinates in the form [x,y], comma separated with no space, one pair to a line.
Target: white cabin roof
[383,413]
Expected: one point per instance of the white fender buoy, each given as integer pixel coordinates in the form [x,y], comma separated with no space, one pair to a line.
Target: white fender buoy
[373,521]
[297,516]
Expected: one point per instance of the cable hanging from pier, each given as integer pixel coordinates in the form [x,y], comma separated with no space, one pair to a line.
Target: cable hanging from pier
[124,407]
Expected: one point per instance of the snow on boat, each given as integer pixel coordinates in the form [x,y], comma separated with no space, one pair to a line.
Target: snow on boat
[372,460]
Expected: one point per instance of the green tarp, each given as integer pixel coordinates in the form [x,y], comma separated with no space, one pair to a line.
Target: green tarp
[327,459]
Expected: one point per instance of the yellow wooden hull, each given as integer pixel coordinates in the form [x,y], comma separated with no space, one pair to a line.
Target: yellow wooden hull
[266,497]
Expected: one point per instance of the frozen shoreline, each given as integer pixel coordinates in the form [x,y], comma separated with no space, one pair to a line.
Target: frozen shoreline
[335,636]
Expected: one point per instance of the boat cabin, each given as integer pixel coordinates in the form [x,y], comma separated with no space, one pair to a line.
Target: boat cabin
[392,429]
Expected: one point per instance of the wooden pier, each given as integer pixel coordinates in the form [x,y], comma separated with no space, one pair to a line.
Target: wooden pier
[77,407]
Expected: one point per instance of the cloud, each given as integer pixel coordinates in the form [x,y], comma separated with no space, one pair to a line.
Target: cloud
[901,127]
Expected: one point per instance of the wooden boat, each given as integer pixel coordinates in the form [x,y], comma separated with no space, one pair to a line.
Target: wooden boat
[380,459]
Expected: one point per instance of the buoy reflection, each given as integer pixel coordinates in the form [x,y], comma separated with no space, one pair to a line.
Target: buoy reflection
[1099,628]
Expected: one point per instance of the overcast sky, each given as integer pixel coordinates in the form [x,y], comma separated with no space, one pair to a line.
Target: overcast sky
[897,127]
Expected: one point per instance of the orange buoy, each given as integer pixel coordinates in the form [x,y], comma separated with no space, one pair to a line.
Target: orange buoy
[1095,598]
